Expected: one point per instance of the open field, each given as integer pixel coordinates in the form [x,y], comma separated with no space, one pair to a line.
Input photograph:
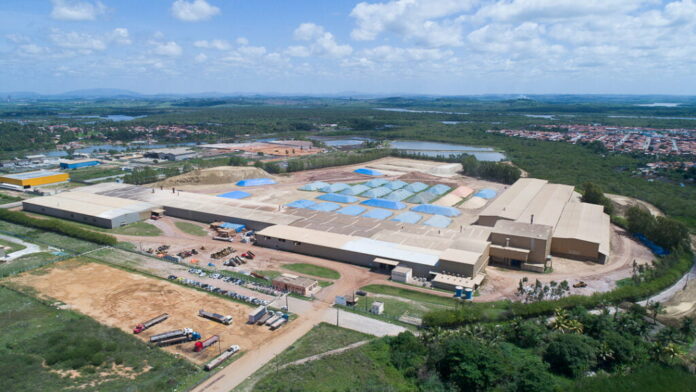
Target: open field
[320,339]
[314,270]
[368,365]
[191,228]
[45,348]
[121,299]
[88,173]
[26,263]
[13,246]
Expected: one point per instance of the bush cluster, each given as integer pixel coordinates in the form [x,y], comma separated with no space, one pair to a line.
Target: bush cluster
[57,226]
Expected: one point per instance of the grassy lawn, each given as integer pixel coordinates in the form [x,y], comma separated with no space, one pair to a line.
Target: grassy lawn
[4,199]
[395,307]
[141,229]
[314,270]
[44,238]
[14,247]
[269,273]
[322,338]
[191,228]
[88,173]
[26,263]
[40,344]
[409,294]
[366,368]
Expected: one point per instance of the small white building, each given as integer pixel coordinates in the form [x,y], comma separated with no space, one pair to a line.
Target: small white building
[402,274]
[377,307]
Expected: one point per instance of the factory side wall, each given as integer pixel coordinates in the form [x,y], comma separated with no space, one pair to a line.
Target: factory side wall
[576,249]
[206,217]
[337,254]
[73,216]
[538,248]
[488,220]
[61,177]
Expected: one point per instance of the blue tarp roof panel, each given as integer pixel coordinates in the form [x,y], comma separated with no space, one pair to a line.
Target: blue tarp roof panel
[314,186]
[334,188]
[486,193]
[436,210]
[397,184]
[398,195]
[326,207]
[368,172]
[421,198]
[438,221]
[235,195]
[377,213]
[338,198]
[236,226]
[351,210]
[302,203]
[256,182]
[439,189]
[416,187]
[355,190]
[407,217]
[384,203]
[377,182]
[377,192]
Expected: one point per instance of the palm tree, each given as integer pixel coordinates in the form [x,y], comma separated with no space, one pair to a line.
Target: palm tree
[687,328]
[564,324]
[655,308]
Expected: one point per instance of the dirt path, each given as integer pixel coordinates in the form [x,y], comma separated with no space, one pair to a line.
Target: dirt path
[325,354]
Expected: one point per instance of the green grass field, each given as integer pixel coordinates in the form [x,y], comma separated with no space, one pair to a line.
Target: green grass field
[191,228]
[141,229]
[314,270]
[27,262]
[4,199]
[366,368]
[322,338]
[14,247]
[409,294]
[41,346]
[88,173]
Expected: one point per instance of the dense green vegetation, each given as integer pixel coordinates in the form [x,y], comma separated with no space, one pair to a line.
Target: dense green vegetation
[40,346]
[4,199]
[493,171]
[57,226]
[664,231]
[314,270]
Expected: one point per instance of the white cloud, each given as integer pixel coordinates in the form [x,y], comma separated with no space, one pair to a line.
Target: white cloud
[242,41]
[77,10]
[218,44]
[193,11]
[425,22]
[201,58]
[120,36]
[32,49]
[169,49]
[322,43]
[74,40]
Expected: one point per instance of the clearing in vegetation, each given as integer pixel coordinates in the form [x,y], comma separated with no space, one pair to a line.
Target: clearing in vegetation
[409,294]
[14,246]
[314,270]
[122,299]
[191,228]
[320,339]
[141,229]
[43,348]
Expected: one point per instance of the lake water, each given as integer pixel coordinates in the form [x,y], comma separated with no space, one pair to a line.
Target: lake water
[417,111]
[343,142]
[656,117]
[433,149]
[110,117]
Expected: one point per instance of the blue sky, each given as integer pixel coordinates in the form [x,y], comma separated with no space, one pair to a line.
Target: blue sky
[333,46]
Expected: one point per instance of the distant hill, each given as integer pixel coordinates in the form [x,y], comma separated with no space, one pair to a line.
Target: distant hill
[99,93]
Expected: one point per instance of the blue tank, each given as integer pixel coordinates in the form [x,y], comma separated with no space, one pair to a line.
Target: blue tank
[468,294]
[458,291]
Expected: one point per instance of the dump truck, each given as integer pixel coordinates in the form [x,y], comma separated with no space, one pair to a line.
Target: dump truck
[149,323]
[178,340]
[170,335]
[221,358]
[273,319]
[227,320]
[279,323]
[200,346]
[265,318]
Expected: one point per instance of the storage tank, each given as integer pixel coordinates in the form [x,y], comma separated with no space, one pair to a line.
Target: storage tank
[468,294]
[458,291]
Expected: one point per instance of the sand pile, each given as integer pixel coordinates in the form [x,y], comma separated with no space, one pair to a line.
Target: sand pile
[216,175]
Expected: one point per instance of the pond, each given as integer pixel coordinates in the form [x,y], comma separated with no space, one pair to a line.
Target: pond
[433,149]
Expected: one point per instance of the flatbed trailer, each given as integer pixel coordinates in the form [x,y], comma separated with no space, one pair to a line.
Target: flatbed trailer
[150,323]
[221,358]
[227,320]
[170,335]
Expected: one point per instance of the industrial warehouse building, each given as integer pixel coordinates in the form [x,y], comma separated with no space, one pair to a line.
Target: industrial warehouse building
[171,154]
[36,178]
[97,210]
[79,163]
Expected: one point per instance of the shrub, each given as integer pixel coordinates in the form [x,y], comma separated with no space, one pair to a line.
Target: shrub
[57,226]
[571,354]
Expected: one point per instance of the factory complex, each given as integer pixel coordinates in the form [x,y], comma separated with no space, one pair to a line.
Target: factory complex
[32,179]
[527,224]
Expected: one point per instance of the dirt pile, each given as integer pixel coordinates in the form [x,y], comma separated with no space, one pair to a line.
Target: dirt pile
[215,176]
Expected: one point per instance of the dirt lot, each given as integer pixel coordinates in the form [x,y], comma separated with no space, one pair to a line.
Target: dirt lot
[122,299]
[216,175]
